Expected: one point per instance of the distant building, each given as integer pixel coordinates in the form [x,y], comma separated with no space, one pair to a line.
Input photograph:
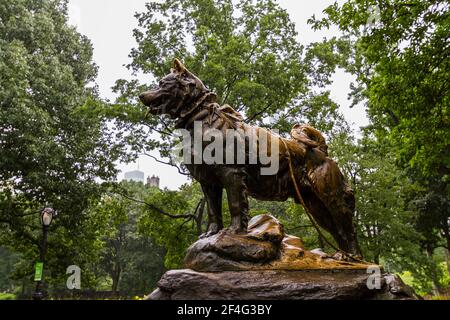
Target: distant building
[153,181]
[135,175]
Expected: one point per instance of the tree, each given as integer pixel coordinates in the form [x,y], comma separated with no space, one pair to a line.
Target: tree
[400,55]
[178,224]
[402,67]
[9,259]
[133,261]
[52,151]
[246,51]
[384,218]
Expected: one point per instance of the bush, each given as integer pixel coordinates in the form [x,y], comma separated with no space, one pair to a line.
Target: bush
[7,296]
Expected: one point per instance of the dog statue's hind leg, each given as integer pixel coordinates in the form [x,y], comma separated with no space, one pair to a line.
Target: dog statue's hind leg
[237,200]
[213,194]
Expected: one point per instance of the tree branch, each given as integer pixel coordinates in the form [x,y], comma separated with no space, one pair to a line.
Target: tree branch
[157,130]
[232,82]
[170,163]
[199,210]
[157,209]
[258,113]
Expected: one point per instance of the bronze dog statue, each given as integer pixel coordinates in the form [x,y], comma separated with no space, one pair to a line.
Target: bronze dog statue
[304,170]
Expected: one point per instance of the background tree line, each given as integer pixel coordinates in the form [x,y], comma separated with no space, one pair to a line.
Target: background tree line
[60,141]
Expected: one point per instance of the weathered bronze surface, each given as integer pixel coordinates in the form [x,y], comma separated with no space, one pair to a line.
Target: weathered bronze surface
[266,263]
[264,247]
[323,189]
[186,284]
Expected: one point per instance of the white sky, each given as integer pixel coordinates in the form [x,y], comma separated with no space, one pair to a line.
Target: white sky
[109,25]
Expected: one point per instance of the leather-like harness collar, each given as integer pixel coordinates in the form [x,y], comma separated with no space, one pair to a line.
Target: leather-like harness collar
[194,109]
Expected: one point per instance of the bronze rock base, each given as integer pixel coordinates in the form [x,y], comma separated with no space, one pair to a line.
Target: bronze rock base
[264,247]
[186,284]
[266,263]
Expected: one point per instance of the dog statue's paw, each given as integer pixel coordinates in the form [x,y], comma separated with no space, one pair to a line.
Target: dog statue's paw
[237,230]
[207,234]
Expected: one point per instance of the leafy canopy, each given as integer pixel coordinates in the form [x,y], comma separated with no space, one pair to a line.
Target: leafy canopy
[401,61]
[246,51]
[51,151]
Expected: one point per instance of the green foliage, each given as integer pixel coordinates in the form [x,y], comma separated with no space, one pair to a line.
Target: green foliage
[401,63]
[7,296]
[402,67]
[9,259]
[132,261]
[51,152]
[384,218]
[246,51]
[385,225]
[58,139]
[424,288]
[175,234]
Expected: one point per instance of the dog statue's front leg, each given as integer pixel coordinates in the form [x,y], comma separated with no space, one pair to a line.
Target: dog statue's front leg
[213,196]
[237,201]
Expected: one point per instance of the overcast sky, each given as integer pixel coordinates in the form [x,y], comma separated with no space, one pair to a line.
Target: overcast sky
[109,25]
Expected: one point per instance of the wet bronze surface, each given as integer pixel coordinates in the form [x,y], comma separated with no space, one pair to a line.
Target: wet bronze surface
[325,193]
[264,247]
[187,284]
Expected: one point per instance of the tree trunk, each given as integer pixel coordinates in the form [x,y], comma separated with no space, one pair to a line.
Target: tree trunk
[448,255]
[447,238]
[448,261]
[376,258]
[434,280]
[199,217]
[116,277]
[321,242]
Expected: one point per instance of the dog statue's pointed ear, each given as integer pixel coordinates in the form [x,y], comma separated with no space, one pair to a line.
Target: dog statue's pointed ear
[178,66]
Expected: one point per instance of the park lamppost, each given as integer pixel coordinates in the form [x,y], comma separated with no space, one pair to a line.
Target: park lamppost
[46,216]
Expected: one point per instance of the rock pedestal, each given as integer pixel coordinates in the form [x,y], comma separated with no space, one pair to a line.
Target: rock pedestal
[267,264]
[186,284]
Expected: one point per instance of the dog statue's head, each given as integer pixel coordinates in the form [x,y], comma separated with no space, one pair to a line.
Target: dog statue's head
[176,91]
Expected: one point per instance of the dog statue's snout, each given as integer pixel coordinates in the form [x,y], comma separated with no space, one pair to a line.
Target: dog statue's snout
[149,96]
[146,97]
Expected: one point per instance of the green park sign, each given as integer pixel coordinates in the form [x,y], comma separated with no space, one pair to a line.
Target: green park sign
[38,271]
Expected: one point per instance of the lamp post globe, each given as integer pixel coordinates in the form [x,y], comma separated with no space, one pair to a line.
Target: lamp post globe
[47,216]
